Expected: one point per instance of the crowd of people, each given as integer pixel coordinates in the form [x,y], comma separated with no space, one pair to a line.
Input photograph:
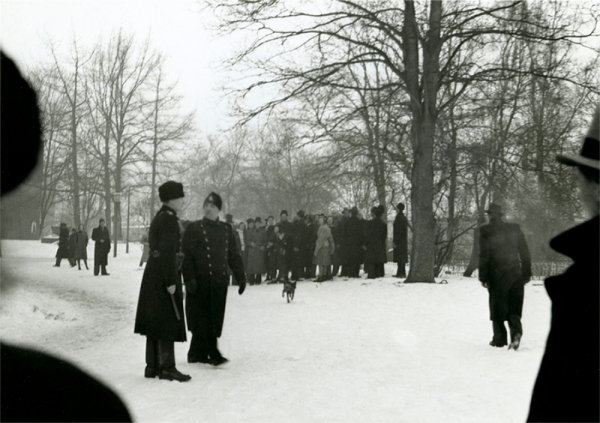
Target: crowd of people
[72,245]
[319,246]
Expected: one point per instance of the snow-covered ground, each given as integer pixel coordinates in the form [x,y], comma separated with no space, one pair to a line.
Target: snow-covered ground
[343,351]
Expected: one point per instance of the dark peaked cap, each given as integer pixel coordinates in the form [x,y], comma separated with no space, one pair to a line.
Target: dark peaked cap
[170,190]
[215,199]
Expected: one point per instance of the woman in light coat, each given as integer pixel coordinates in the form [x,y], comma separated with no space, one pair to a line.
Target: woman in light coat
[323,249]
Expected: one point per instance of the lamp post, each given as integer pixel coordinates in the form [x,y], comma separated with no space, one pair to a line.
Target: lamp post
[117,220]
[127,236]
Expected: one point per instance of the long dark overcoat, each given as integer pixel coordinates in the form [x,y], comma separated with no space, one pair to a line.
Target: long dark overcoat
[354,238]
[102,246]
[298,241]
[400,239]
[286,227]
[63,244]
[375,237]
[209,247]
[336,258]
[256,253]
[72,244]
[271,250]
[567,386]
[81,246]
[155,315]
[504,264]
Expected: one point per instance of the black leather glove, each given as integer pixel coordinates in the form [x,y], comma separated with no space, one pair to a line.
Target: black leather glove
[191,287]
[242,287]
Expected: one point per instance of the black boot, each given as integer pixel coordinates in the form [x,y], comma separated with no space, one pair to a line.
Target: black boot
[152,365]
[166,355]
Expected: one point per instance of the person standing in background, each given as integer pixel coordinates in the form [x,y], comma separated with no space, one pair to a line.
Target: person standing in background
[400,241]
[63,244]
[375,237]
[101,249]
[81,247]
[145,248]
[567,385]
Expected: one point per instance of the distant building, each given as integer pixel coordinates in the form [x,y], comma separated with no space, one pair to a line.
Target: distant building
[21,210]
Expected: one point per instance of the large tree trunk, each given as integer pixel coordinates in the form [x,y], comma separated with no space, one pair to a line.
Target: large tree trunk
[424,113]
[76,204]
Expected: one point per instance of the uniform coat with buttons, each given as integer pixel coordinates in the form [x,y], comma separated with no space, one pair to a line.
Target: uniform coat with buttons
[209,247]
[155,316]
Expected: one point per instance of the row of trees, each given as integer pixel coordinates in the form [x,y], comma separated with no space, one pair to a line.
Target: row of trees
[111,120]
[467,101]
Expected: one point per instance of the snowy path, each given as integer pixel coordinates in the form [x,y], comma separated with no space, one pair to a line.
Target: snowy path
[343,351]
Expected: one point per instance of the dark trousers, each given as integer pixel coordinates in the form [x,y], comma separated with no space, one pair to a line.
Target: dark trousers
[401,273]
[255,279]
[79,263]
[97,269]
[353,270]
[374,270]
[160,354]
[71,261]
[202,347]
[500,334]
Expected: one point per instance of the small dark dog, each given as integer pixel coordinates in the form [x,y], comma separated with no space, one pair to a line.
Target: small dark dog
[289,288]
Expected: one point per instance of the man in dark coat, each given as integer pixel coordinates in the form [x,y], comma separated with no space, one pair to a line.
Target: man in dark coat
[567,386]
[340,244]
[504,269]
[354,238]
[63,244]
[160,306]
[375,238]
[400,241]
[312,228]
[101,248]
[286,227]
[298,241]
[209,247]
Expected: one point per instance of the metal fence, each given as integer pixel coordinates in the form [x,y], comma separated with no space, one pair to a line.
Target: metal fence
[540,269]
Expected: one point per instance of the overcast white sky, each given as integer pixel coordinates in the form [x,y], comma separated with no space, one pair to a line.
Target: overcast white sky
[177,28]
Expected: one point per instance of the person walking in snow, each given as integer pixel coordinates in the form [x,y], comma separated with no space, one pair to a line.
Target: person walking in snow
[63,244]
[504,269]
[567,385]
[159,314]
[101,248]
[209,248]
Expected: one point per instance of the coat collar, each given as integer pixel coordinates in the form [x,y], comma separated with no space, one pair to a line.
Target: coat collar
[167,209]
[580,242]
[210,222]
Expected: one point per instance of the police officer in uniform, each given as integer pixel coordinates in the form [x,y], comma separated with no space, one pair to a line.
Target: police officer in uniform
[504,269]
[160,306]
[209,249]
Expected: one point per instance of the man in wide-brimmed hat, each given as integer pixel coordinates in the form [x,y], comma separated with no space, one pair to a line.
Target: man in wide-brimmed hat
[567,386]
[504,269]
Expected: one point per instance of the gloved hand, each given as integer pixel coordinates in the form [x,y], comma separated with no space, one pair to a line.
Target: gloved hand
[171,289]
[191,287]
[242,287]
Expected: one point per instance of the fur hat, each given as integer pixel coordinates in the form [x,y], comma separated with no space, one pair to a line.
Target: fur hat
[170,190]
[215,199]
[590,149]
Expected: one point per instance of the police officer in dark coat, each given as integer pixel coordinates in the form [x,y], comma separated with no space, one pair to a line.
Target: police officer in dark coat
[354,238]
[567,386]
[209,247]
[375,238]
[504,269]
[160,306]
[101,248]
[400,241]
[63,244]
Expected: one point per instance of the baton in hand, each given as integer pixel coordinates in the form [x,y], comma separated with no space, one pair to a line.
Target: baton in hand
[175,307]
